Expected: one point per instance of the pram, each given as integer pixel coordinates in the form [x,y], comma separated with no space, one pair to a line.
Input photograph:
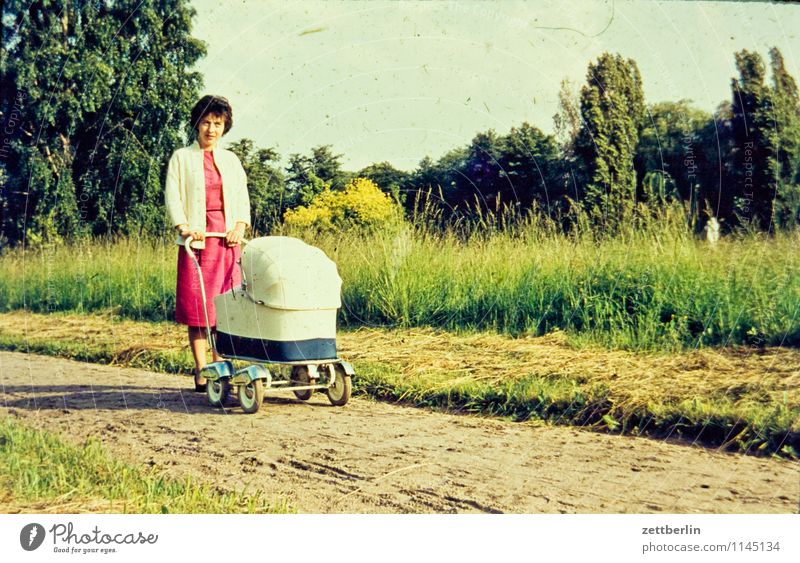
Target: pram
[284,313]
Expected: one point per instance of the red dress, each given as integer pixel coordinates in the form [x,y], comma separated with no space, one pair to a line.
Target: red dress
[217,260]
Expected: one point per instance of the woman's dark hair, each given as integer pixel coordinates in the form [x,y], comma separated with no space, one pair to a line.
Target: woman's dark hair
[212,104]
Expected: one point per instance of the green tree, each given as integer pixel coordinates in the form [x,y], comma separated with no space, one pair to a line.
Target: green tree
[716,194]
[612,114]
[567,120]
[493,172]
[435,185]
[670,158]
[388,178]
[481,182]
[307,176]
[567,125]
[753,153]
[302,184]
[328,167]
[265,184]
[98,92]
[785,162]
[531,169]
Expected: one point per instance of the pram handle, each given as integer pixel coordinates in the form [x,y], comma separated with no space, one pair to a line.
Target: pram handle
[189,238]
[210,235]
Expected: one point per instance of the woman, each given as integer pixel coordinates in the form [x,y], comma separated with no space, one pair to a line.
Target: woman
[206,191]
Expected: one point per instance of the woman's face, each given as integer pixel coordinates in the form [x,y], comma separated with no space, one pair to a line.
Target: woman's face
[210,129]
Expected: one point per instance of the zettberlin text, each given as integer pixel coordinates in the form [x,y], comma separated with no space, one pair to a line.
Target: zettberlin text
[661,530]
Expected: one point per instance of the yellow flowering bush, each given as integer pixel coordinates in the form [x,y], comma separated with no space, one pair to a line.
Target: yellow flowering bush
[361,204]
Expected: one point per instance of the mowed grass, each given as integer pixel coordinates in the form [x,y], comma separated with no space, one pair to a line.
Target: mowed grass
[734,399]
[41,472]
[653,288]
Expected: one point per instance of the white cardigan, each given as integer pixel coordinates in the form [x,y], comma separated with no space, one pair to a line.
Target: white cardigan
[185,192]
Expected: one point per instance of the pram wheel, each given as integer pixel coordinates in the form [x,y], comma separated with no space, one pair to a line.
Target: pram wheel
[251,396]
[339,392]
[300,377]
[218,391]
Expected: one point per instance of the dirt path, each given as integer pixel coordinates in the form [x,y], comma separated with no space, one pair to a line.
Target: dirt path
[371,457]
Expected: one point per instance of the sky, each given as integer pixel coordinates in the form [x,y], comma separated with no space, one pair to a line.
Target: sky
[398,81]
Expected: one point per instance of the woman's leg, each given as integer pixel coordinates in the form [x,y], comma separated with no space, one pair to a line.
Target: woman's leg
[217,357]
[197,342]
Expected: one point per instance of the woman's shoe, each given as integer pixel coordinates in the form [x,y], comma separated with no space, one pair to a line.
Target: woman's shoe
[199,387]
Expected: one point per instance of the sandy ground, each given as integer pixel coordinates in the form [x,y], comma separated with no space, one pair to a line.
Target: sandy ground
[371,457]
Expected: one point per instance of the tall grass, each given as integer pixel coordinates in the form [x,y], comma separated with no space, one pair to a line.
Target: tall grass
[134,278]
[653,286]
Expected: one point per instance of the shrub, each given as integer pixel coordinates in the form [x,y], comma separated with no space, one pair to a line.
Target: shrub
[361,204]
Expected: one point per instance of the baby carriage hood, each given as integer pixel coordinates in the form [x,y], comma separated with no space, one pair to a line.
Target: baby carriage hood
[286,273]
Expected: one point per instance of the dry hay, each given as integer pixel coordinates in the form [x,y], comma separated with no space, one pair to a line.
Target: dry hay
[770,375]
[127,339]
[640,378]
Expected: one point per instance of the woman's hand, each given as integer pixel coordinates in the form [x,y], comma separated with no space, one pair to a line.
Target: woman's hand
[236,235]
[185,231]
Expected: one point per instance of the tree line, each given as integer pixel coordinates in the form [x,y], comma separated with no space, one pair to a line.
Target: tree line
[95,97]
[610,153]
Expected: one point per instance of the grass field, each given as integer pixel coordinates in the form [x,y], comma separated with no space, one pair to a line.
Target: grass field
[654,288]
[40,472]
[735,399]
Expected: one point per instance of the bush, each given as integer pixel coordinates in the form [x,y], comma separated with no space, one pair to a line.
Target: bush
[361,204]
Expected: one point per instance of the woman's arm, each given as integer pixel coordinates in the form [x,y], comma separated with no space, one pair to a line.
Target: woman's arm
[243,213]
[174,202]
[172,193]
[241,209]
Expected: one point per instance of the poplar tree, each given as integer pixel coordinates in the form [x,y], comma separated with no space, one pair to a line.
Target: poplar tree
[567,120]
[612,111]
[785,162]
[753,154]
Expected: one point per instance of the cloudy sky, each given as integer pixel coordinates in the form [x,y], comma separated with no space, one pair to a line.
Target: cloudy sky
[395,81]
